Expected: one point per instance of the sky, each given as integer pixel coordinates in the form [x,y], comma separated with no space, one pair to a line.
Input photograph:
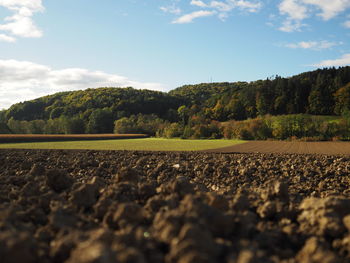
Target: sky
[47,46]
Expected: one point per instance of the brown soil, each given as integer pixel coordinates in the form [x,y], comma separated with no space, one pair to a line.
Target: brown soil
[330,148]
[124,206]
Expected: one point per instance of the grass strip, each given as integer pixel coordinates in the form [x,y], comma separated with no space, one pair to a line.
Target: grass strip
[148,144]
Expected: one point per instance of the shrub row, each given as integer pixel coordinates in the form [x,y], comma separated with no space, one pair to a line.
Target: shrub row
[301,126]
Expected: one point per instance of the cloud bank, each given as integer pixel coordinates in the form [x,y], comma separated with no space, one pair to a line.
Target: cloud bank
[23,80]
[343,61]
[298,10]
[294,13]
[209,8]
[313,45]
[21,23]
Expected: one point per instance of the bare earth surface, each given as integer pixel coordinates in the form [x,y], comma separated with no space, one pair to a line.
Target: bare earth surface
[330,148]
[132,206]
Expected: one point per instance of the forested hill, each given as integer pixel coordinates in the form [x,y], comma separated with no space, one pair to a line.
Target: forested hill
[320,92]
[119,102]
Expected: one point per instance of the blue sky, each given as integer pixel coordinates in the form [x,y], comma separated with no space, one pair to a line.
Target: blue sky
[55,45]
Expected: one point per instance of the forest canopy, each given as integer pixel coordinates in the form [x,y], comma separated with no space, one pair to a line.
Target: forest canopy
[104,110]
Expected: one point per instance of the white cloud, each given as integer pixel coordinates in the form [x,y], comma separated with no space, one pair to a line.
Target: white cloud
[313,45]
[343,61]
[249,6]
[229,5]
[198,3]
[171,9]
[188,18]
[30,4]
[21,24]
[294,9]
[298,10]
[329,9]
[220,8]
[23,80]
[6,38]
[291,26]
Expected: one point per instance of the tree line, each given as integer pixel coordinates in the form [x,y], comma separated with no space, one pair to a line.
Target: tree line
[190,111]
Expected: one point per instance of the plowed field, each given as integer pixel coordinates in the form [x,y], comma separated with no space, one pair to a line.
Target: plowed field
[329,148]
[173,207]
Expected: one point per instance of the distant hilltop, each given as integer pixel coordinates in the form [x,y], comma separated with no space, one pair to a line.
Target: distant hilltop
[319,92]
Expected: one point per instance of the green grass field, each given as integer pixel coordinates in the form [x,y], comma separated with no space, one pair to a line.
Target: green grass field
[149,144]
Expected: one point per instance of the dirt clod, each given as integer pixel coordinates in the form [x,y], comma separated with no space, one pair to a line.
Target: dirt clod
[58,179]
